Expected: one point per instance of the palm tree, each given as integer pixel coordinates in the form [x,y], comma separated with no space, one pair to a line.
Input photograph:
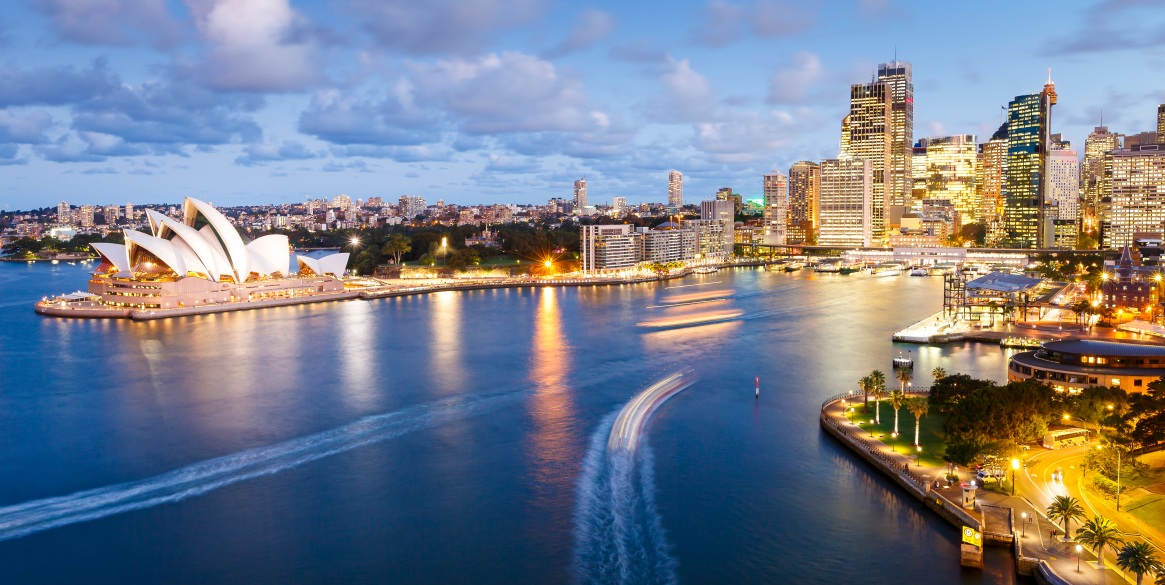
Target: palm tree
[865,384]
[918,407]
[879,393]
[1099,533]
[897,399]
[1065,509]
[1139,559]
[904,376]
[938,374]
[878,378]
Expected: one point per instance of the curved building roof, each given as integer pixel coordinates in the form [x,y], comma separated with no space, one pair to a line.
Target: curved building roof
[1104,348]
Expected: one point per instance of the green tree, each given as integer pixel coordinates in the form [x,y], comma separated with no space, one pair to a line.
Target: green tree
[1065,509]
[961,451]
[938,374]
[904,375]
[1139,559]
[397,246]
[918,407]
[1098,533]
[879,392]
[865,384]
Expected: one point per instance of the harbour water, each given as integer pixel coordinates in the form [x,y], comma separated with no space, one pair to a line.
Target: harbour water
[460,437]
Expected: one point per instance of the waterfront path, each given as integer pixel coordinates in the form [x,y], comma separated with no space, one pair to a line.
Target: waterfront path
[1035,539]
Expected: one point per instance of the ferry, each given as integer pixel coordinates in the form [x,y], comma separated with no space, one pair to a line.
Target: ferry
[706,270]
[849,268]
[775,266]
[828,267]
[794,266]
[918,271]
[903,362]
[888,269]
[941,269]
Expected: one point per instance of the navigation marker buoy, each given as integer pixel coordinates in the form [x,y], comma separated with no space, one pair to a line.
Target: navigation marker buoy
[758,386]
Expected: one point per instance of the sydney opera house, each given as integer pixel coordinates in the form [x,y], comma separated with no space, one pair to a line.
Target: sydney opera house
[202,261]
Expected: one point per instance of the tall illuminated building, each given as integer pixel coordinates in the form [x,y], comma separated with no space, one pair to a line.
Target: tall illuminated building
[1028,138]
[1095,212]
[725,213]
[992,163]
[1138,193]
[1161,123]
[918,171]
[951,164]
[843,144]
[776,210]
[64,213]
[898,77]
[580,195]
[804,201]
[847,203]
[870,137]
[675,189]
[1064,184]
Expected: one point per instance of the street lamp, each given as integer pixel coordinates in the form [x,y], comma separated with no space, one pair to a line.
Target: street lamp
[1078,551]
[918,457]
[1014,468]
[850,411]
[1023,515]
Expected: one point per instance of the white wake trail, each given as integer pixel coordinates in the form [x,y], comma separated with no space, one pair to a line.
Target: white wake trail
[27,518]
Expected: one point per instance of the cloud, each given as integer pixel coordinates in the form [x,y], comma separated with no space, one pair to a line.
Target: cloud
[727,22]
[745,137]
[339,119]
[687,95]
[639,51]
[9,156]
[31,128]
[1114,25]
[112,22]
[936,128]
[54,86]
[793,84]
[265,152]
[68,149]
[254,45]
[505,163]
[100,171]
[591,27]
[418,153]
[510,92]
[441,27]
[339,167]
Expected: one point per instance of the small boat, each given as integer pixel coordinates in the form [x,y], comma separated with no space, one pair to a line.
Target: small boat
[828,267]
[775,266]
[794,266]
[706,270]
[888,269]
[903,362]
[56,261]
[849,268]
[918,271]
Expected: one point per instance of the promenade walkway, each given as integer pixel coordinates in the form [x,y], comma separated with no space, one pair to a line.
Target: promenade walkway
[1035,538]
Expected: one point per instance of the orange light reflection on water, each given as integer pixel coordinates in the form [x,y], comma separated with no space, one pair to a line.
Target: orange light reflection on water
[552,458]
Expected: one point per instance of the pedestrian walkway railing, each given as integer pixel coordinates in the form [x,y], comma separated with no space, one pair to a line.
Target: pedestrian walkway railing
[854,393]
[874,448]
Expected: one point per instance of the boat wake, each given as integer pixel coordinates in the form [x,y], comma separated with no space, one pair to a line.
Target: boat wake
[619,535]
[27,518]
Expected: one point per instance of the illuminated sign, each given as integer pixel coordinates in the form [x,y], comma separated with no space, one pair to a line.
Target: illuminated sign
[972,536]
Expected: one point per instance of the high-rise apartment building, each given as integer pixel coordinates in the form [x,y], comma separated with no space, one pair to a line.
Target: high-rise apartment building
[129,216]
[1161,123]
[870,139]
[726,194]
[675,189]
[776,209]
[85,216]
[804,202]
[617,204]
[580,195]
[1028,139]
[843,144]
[609,247]
[64,212]
[724,212]
[898,77]
[111,212]
[1064,184]
[951,166]
[847,203]
[1138,193]
[410,206]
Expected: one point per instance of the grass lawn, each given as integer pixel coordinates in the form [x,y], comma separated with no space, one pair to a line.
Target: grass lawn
[1150,510]
[500,261]
[1153,476]
[933,443]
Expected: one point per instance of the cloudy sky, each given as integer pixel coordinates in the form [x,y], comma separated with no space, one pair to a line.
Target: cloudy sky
[251,101]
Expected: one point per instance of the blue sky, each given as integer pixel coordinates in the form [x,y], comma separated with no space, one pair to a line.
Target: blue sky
[254,101]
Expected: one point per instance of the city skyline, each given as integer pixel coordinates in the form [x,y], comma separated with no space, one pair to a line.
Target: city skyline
[147,100]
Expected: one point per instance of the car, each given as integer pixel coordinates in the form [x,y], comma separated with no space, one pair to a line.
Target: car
[1058,475]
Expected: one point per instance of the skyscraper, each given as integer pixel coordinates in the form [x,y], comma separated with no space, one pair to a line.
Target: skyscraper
[1028,138]
[847,203]
[85,216]
[918,171]
[1161,123]
[1138,193]
[951,165]
[1064,184]
[64,214]
[776,210]
[804,202]
[993,161]
[870,137]
[1097,195]
[898,77]
[675,189]
[580,195]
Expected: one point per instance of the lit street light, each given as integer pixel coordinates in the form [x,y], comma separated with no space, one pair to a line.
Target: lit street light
[1079,549]
[1014,468]
[1024,523]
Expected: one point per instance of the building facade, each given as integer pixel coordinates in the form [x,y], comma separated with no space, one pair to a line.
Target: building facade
[899,79]
[609,247]
[1096,208]
[776,209]
[1073,365]
[1063,184]
[675,189]
[723,212]
[870,137]
[804,202]
[847,203]
[580,195]
[951,167]
[1028,137]
[1137,193]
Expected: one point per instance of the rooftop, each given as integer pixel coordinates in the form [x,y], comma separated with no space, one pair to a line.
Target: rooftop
[1004,282]
[1105,348]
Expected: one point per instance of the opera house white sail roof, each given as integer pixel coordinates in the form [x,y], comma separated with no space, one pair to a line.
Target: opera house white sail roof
[205,245]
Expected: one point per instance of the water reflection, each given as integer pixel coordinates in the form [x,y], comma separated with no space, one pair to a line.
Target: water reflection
[445,355]
[356,353]
[550,406]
